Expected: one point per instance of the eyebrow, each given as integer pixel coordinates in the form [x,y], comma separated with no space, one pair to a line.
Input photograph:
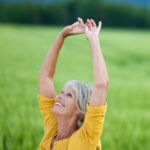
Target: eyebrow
[68,92]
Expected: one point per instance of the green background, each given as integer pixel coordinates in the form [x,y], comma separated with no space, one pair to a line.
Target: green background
[127,55]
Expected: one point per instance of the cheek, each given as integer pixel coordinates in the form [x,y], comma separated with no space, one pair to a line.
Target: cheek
[71,108]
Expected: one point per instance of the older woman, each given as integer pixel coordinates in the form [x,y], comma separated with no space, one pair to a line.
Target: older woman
[74,118]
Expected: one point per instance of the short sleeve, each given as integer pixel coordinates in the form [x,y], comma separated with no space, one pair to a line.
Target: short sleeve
[45,107]
[92,127]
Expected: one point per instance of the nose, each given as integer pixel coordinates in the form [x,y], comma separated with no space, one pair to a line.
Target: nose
[60,96]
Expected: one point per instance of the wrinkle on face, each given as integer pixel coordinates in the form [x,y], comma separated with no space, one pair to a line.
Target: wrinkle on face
[67,98]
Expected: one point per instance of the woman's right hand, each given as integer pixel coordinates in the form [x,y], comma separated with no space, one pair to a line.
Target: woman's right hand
[91,31]
[74,29]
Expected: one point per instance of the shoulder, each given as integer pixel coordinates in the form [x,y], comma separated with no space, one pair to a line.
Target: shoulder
[95,109]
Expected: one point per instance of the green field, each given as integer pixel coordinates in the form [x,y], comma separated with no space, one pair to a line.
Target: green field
[127,55]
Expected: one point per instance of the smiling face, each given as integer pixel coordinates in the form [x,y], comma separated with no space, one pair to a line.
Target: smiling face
[65,105]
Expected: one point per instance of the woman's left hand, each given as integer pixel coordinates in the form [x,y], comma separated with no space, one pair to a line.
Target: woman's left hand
[74,29]
[91,30]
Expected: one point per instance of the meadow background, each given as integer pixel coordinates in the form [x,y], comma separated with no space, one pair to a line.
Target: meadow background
[127,55]
[126,51]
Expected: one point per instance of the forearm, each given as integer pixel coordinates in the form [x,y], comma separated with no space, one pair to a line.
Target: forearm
[49,64]
[99,68]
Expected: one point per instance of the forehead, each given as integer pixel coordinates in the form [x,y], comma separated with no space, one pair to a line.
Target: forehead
[69,89]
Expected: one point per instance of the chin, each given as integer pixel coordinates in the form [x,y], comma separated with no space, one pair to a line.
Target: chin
[57,111]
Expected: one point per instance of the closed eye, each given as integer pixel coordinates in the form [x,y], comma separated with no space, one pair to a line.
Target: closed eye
[69,94]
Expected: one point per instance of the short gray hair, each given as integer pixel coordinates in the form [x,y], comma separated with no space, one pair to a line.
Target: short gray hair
[83,93]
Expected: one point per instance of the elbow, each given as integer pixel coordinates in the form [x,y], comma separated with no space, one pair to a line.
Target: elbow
[107,81]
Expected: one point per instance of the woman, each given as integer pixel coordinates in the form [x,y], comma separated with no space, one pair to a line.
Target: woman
[74,118]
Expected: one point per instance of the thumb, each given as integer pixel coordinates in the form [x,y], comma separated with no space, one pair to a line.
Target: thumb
[99,25]
[74,25]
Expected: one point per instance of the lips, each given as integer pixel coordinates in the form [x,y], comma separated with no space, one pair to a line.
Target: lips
[59,103]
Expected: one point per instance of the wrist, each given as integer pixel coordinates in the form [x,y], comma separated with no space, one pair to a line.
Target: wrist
[62,35]
[94,40]
[64,32]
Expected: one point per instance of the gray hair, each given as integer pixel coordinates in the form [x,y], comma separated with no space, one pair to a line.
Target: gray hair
[83,94]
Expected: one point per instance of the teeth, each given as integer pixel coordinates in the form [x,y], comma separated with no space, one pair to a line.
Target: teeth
[57,103]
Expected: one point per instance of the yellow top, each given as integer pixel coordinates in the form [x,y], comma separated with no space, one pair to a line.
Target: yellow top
[87,137]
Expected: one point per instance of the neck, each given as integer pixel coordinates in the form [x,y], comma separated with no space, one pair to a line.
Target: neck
[66,128]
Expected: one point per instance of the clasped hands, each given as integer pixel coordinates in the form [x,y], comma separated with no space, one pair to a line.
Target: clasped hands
[89,28]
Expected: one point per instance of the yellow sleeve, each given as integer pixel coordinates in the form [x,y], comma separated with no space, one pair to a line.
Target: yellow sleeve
[92,127]
[45,106]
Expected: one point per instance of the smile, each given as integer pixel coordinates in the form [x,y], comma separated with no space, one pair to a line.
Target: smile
[59,104]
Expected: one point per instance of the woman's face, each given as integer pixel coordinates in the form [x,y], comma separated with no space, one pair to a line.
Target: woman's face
[65,105]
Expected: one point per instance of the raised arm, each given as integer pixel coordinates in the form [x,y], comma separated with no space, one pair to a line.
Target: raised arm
[47,70]
[100,84]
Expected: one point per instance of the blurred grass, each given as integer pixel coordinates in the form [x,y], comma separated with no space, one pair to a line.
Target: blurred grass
[127,55]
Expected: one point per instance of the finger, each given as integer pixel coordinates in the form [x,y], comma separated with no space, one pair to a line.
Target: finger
[99,25]
[74,25]
[89,23]
[93,23]
[89,27]
[85,27]
[80,21]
